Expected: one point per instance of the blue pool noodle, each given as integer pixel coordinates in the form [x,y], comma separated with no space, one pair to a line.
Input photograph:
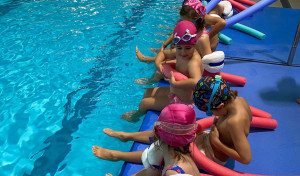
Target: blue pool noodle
[211,5]
[251,10]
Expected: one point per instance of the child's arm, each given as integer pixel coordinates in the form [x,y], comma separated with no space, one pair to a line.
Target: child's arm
[195,75]
[159,59]
[203,45]
[217,23]
[241,151]
[168,41]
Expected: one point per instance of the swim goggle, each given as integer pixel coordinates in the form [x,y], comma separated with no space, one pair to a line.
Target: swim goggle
[186,37]
[216,86]
[176,129]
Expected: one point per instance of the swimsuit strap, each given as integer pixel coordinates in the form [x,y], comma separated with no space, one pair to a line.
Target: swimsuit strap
[176,169]
[205,32]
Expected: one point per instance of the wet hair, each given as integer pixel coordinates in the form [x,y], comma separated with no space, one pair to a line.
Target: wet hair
[189,12]
[232,95]
[178,151]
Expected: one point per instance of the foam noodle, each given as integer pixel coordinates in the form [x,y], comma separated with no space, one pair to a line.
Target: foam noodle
[251,10]
[234,79]
[211,5]
[238,10]
[224,39]
[246,2]
[259,113]
[256,122]
[265,123]
[248,30]
[210,166]
[167,68]
[237,5]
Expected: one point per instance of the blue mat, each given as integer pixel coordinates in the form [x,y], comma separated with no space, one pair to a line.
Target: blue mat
[279,25]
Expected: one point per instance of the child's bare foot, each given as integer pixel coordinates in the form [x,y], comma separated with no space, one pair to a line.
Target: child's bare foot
[132,116]
[109,174]
[104,154]
[298,100]
[116,134]
[140,55]
[145,81]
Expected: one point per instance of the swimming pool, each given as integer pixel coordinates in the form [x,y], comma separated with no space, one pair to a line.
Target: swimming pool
[67,72]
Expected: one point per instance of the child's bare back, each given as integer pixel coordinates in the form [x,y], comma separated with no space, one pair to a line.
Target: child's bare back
[241,116]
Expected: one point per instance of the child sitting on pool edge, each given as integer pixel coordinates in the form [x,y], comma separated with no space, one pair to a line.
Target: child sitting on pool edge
[174,131]
[188,62]
[194,11]
[228,135]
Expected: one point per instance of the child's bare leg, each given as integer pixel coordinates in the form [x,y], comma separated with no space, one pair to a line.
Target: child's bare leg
[214,43]
[154,79]
[143,58]
[158,99]
[154,99]
[114,155]
[133,116]
[142,136]
[298,100]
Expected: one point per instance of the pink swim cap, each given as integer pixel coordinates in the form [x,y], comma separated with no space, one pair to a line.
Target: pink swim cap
[185,33]
[197,6]
[176,125]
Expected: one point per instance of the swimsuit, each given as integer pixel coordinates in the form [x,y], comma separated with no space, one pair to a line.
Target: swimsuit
[176,169]
[176,100]
[205,32]
[205,147]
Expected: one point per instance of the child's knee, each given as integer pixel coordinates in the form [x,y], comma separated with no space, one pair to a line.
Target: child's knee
[144,105]
[148,93]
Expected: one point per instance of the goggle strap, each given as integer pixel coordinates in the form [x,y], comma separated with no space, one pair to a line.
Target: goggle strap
[216,86]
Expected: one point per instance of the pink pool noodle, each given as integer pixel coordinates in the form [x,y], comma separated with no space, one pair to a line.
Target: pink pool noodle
[259,113]
[237,5]
[237,9]
[167,68]
[246,2]
[210,166]
[256,122]
[233,78]
[265,123]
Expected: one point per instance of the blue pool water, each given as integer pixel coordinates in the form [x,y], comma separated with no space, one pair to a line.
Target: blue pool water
[68,71]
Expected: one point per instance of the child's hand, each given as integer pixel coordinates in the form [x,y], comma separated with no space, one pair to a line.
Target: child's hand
[162,48]
[160,68]
[172,80]
[216,120]
[214,133]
